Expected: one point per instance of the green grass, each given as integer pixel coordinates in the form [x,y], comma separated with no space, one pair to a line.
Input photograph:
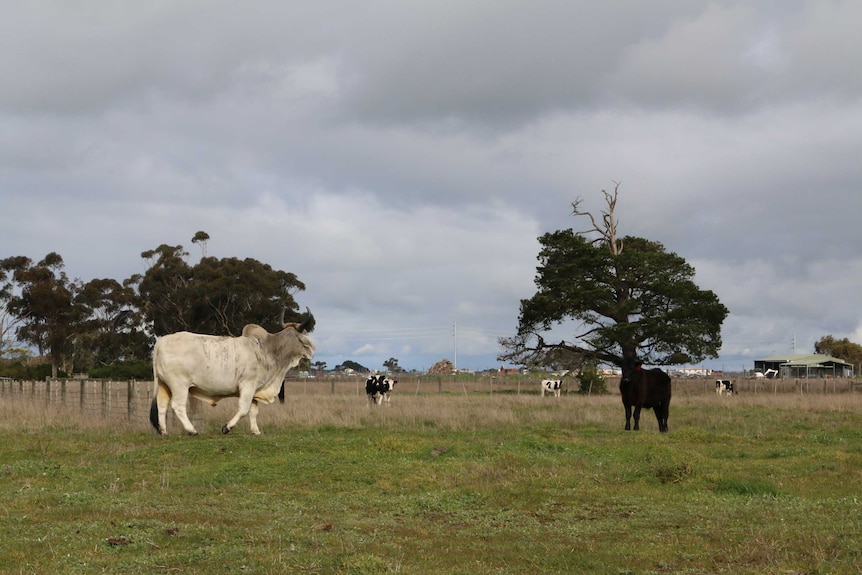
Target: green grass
[442,485]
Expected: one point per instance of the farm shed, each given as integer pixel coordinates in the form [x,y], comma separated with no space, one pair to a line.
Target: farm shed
[808,365]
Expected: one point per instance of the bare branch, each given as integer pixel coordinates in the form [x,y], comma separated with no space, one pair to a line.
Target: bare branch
[608,230]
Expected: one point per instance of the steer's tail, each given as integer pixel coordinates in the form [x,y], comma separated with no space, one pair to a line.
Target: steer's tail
[154,414]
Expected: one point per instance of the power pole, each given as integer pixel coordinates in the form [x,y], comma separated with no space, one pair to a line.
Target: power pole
[455,338]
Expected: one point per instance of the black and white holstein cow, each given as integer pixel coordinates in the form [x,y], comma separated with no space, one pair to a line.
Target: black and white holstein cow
[552,386]
[724,386]
[250,367]
[645,388]
[378,389]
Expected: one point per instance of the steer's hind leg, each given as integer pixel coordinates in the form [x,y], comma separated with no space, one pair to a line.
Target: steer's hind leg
[661,414]
[159,408]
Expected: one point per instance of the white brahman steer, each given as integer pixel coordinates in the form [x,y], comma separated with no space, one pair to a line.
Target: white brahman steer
[552,386]
[378,389]
[251,367]
[724,385]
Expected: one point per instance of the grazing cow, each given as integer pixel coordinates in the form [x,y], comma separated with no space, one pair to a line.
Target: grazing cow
[724,385]
[646,388]
[378,389]
[552,386]
[250,367]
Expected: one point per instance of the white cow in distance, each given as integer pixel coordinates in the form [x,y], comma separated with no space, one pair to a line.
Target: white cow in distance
[250,367]
[724,386]
[552,386]
[378,389]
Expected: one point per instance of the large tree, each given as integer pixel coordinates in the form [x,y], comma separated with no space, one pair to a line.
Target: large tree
[627,300]
[46,307]
[9,321]
[215,296]
[113,327]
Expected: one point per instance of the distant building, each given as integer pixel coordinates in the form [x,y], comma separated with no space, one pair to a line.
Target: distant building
[814,365]
[693,372]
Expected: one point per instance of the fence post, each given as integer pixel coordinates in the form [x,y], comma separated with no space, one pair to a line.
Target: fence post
[130,393]
[104,398]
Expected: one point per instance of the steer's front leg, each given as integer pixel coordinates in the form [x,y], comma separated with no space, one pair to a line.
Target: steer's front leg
[637,417]
[252,417]
[243,407]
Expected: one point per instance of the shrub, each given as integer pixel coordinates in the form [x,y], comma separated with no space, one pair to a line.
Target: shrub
[591,381]
[135,369]
[17,370]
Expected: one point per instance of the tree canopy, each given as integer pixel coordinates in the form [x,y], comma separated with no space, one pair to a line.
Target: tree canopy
[391,365]
[627,299]
[215,296]
[43,299]
[840,348]
[350,364]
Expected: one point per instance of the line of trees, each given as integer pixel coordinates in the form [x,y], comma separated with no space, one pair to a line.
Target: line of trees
[108,325]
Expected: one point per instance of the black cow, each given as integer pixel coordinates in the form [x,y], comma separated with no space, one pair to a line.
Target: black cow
[646,388]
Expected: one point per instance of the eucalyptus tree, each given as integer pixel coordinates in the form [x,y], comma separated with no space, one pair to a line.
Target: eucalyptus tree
[113,328]
[9,322]
[46,307]
[214,296]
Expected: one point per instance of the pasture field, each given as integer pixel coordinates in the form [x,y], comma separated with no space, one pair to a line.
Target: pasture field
[450,483]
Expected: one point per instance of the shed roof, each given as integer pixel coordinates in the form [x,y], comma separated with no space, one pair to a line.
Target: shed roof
[804,360]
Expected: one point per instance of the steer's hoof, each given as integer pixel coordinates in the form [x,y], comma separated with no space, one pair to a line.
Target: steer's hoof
[192,433]
[225,429]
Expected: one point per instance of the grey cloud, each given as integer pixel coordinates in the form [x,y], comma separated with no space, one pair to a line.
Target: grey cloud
[402,158]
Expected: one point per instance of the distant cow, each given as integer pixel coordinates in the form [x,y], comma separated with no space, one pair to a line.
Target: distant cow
[378,389]
[646,388]
[724,385]
[250,367]
[552,386]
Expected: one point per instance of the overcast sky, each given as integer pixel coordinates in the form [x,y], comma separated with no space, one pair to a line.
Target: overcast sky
[402,158]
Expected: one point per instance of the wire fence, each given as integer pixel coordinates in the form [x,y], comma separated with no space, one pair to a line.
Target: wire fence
[105,398]
[130,400]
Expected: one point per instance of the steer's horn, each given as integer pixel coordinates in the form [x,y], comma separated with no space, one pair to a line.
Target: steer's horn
[307,321]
